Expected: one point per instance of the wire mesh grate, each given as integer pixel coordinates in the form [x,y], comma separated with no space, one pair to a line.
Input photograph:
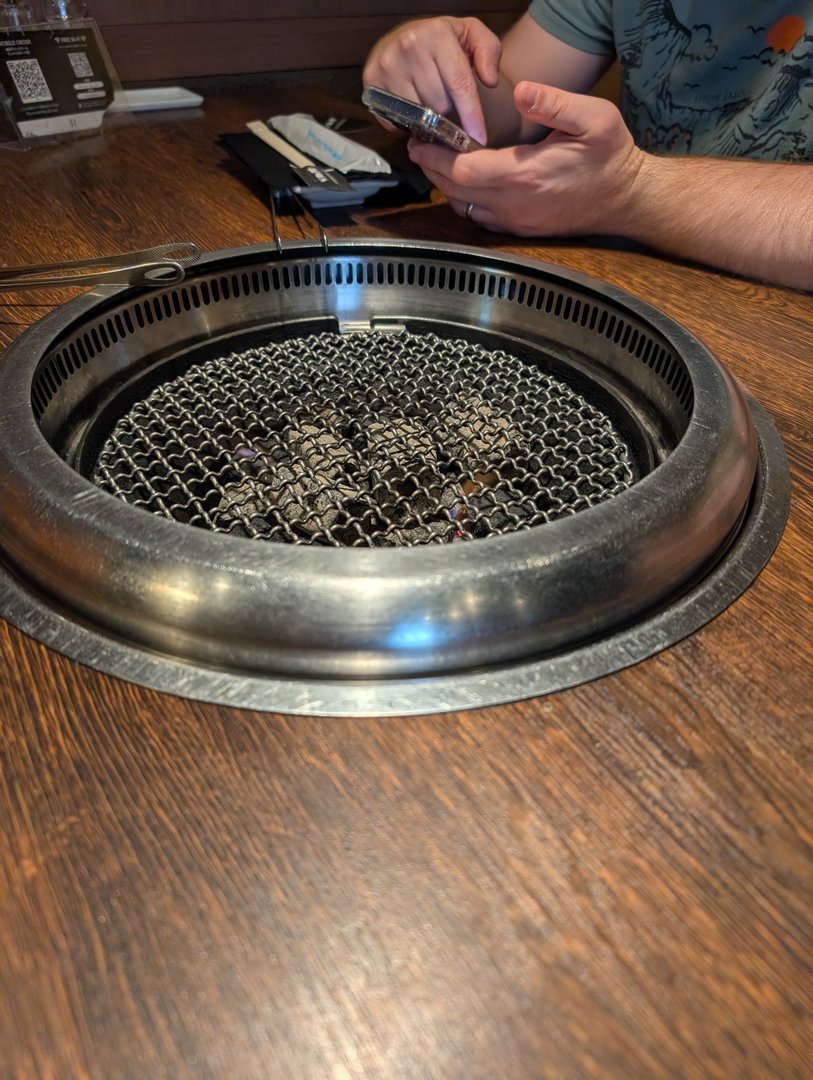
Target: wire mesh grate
[365,439]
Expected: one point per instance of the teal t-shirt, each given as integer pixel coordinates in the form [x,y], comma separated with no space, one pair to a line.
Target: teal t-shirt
[721,79]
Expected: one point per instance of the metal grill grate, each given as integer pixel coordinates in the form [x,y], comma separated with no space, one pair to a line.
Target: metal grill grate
[363,439]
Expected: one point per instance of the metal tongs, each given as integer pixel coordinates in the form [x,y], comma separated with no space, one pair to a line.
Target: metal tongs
[300,210]
[155,266]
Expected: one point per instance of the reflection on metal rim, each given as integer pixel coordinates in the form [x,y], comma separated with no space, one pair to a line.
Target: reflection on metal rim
[445,693]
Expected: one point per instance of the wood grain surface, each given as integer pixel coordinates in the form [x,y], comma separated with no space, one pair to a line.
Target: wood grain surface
[610,882]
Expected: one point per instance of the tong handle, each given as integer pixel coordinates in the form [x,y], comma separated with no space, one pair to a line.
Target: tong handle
[161,265]
[301,209]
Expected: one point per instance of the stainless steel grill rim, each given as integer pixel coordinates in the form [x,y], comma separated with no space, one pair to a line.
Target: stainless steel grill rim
[323,613]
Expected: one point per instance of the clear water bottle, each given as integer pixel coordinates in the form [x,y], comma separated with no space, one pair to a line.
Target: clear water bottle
[62,10]
[15,14]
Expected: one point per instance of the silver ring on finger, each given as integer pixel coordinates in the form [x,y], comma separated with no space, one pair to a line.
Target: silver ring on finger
[469,211]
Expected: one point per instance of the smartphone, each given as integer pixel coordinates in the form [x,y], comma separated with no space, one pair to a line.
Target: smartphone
[418,120]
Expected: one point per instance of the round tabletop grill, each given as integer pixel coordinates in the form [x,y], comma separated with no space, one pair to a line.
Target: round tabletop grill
[385,477]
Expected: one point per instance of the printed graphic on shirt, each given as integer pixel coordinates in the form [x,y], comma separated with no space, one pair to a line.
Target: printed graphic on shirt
[717,88]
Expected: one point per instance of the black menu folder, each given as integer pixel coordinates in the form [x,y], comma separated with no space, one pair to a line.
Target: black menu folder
[274,170]
[270,166]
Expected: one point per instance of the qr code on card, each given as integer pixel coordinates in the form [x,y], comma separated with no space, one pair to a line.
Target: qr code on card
[29,80]
[81,65]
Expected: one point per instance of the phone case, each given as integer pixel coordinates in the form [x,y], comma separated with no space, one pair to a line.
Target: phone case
[418,119]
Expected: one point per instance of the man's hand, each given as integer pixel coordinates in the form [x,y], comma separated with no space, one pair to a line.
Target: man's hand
[434,62]
[581,179]
[751,217]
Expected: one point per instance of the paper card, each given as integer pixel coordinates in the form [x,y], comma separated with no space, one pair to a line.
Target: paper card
[56,79]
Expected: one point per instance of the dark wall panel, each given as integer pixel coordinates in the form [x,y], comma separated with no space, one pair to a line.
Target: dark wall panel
[168,39]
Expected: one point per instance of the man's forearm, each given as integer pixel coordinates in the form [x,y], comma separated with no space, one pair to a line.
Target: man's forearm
[529,52]
[588,177]
[753,218]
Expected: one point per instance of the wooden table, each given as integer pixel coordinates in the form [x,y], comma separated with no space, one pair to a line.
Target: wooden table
[613,881]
